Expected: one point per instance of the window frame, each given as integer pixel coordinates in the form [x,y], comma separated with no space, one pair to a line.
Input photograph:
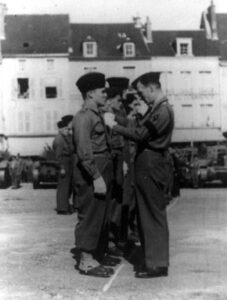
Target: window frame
[133,49]
[180,43]
[94,51]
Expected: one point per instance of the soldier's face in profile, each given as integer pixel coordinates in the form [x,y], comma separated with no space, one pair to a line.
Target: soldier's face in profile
[147,92]
[134,106]
[115,103]
[99,96]
[65,131]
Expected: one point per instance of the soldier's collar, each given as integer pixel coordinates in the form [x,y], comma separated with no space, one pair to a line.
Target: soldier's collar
[159,101]
[91,106]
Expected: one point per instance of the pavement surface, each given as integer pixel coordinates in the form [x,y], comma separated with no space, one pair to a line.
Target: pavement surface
[36,262]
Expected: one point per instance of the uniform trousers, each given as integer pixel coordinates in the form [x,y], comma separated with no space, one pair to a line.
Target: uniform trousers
[64,188]
[91,232]
[116,202]
[151,178]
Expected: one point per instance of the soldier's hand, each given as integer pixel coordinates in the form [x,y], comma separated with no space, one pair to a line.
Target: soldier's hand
[62,172]
[142,108]
[99,186]
[109,119]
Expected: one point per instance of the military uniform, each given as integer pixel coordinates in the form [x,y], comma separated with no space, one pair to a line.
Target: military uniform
[92,160]
[62,146]
[114,93]
[153,136]
[128,222]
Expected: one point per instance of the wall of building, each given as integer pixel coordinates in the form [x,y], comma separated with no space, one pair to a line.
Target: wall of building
[32,113]
[195,87]
[223,91]
[192,85]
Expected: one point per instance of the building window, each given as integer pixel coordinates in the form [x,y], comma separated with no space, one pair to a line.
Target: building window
[51,92]
[184,49]
[206,83]
[129,49]
[90,69]
[90,49]
[24,122]
[22,65]
[51,121]
[207,115]
[22,88]
[184,46]
[50,64]
[51,88]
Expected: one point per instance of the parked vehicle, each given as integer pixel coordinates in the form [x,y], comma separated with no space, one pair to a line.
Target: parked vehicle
[5,180]
[45,172]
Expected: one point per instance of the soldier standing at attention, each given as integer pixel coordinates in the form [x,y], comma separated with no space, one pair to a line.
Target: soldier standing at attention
[115,93]
[68,119]
[63,149]
[93,175]
[153,136]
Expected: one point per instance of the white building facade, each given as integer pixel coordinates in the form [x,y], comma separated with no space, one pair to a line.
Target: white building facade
[44,55]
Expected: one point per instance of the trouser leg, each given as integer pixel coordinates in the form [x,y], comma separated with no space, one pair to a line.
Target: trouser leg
[153,221]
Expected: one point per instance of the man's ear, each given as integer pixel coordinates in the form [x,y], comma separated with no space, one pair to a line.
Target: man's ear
[90,94]
[151,87]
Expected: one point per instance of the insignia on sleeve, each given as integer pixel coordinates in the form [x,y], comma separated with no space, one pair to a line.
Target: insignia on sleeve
[155,117]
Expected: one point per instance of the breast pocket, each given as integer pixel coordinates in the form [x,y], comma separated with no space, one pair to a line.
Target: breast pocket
[99,129]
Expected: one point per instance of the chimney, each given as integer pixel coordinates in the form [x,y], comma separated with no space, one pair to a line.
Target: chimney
[137,22]
[213,21]
[3,10]
[148,32]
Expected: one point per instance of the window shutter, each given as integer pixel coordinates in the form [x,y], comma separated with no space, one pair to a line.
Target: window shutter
[20,121]
[41,88]
[14,89]
[32,88]
[59,89]
[27,122]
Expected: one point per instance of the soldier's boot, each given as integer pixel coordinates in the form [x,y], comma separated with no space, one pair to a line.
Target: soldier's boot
[91,267]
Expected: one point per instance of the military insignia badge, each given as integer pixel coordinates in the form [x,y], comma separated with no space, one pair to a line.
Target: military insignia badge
[155,117]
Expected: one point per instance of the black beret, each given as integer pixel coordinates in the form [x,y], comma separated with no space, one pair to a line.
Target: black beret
[118,82]
[67,118]
[150,77]
[61,124]
[131,97]
[113,92]
[134,83]
[91,81]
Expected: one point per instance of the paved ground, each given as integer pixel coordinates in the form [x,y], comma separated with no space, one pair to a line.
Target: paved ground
[36,263]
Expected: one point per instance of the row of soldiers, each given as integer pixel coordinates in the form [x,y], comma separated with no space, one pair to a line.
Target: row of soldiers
[114,159]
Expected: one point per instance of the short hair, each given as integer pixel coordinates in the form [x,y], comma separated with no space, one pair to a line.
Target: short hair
[150,78]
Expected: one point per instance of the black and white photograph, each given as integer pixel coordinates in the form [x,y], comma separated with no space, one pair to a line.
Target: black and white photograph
[113,150]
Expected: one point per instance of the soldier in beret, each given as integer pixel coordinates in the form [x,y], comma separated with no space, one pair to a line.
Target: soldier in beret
[68,119]
[153,136]
[93,175]
[115,94]
[62,146]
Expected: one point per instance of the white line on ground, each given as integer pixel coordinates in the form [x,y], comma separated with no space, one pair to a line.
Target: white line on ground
[109,283]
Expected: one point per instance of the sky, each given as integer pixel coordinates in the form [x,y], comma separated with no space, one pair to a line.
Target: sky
[164,14]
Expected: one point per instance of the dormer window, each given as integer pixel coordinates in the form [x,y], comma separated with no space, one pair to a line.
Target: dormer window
[184,47]
[129,49]
[89,48]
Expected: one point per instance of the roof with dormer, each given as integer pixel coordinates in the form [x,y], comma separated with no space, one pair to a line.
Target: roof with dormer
[36,34]
[164,43]
[109,38]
